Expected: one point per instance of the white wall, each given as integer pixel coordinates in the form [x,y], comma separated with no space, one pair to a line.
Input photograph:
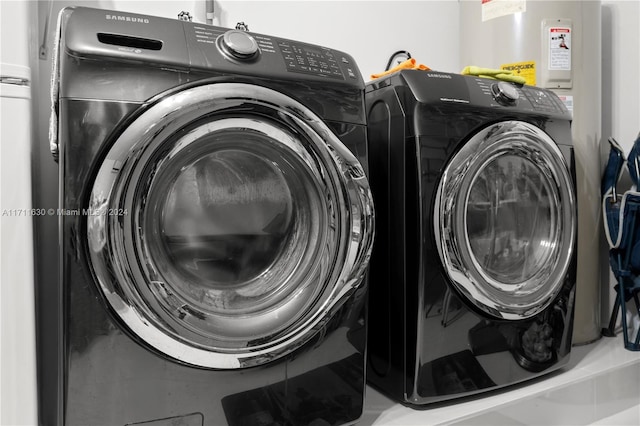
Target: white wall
[620,65]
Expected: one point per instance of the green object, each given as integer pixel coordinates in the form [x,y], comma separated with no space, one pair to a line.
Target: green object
[504,75]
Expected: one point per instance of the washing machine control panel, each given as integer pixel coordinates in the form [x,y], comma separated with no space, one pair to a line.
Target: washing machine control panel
[238,44]
[310,59]
[190,47]
[505,93]
[265,55]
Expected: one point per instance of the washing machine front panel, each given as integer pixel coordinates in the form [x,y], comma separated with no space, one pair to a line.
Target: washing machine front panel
[223,237]
[147,324]
[504,220]
[112,376]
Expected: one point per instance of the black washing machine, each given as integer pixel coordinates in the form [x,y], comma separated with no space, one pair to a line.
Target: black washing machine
[473,269]
[215,227]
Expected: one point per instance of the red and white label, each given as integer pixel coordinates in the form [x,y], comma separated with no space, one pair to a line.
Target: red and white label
[560,48]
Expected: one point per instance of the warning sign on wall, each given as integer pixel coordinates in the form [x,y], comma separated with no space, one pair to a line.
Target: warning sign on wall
[495,8]
[568,102]
[523,69]
[560,48]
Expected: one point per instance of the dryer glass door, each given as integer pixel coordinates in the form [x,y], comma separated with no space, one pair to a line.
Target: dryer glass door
[229,224]
[505,220]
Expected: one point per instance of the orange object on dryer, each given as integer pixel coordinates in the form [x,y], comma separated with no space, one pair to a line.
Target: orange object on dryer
[409,64]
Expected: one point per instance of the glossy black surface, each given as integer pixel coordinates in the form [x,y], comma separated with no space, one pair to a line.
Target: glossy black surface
[426,343]
[93,370]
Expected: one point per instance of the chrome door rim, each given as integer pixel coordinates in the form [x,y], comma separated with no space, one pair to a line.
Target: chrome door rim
[114,189]
[511,301]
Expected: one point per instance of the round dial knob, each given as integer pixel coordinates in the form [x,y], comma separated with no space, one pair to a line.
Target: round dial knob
[505,93]
[239,44]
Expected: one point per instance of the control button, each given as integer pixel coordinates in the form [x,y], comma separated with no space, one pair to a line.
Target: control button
[239,44]
[505,93]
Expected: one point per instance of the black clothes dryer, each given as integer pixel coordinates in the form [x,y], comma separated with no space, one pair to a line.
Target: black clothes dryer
[215,227]
[473,268]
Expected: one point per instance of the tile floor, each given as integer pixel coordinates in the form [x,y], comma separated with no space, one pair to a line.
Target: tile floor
[600,386]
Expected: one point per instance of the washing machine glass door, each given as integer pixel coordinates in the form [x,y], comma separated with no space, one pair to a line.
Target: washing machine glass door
[505,220]
[226,223]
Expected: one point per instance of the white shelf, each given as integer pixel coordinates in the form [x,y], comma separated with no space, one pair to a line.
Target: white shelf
[601,385]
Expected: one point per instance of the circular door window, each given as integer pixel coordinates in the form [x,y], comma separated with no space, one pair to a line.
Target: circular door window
[229,222]
[505,220]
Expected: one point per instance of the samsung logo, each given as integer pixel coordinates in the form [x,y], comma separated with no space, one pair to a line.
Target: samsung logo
[439,75]
[123,18]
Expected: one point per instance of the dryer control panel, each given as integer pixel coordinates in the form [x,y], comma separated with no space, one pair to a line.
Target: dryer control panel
[432,87]
[513,95]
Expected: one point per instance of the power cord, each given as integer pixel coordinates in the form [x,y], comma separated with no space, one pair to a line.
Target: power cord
[395,55]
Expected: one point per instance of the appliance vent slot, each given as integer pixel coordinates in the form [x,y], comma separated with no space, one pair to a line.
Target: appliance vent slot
[129,41]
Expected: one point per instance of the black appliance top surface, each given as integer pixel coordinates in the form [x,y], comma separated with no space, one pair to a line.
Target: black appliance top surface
[187,46]
[439,88]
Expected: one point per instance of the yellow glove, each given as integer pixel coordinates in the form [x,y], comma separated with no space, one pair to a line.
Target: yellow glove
[504,75]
